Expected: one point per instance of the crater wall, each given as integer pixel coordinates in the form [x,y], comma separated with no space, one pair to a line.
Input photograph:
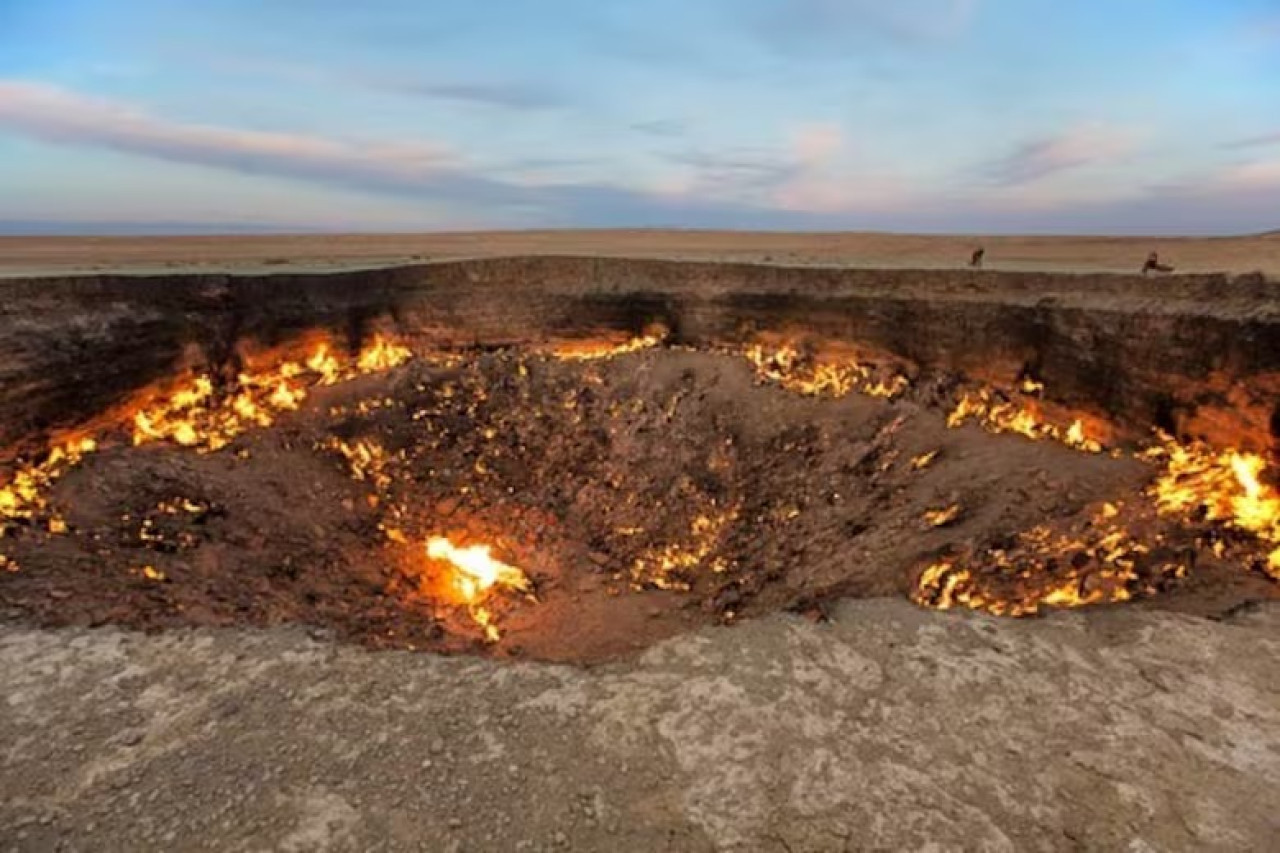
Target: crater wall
[1198,355]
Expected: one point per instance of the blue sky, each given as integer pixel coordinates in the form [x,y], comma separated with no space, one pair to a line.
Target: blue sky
[1098,116]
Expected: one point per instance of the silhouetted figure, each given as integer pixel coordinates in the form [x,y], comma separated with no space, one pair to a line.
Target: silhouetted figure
[975,260]
[1153,265]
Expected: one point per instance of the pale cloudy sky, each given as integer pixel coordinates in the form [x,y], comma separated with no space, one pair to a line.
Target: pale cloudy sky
[1102,116]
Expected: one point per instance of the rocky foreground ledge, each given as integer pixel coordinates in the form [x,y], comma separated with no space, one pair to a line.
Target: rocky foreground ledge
[888,728]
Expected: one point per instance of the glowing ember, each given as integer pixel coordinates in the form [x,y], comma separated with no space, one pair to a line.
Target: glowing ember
[1001,415]
[475,574]
[668,567]
[366,459]
[924,460]
[942,517]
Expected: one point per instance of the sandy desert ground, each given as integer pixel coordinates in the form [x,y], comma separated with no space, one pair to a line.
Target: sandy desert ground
[28,255]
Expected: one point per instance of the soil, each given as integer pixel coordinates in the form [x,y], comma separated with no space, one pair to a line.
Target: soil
[584,475]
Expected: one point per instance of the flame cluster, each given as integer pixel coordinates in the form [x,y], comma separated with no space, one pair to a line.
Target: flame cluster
[474,575]
[1226,487]
[197,415]
[787,367]
[366,460]
[593,350]
[202,416]
[1196,485]
[1041,568]
[24,497]
[998,415]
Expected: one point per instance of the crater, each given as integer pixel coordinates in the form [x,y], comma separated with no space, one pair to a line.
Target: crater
[571,459]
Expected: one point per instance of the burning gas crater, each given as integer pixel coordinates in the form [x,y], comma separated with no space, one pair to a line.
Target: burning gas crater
[415,499]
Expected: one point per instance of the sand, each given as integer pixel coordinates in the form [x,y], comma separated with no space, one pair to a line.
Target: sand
[31,255]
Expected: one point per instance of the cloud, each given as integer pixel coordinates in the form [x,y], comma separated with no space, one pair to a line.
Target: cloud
[52,114]
[827,180]
[734,170]
[811,184]
[426,171]
[498,94]
[511,96]
[1260,141]
[1258,175]
[1081,146]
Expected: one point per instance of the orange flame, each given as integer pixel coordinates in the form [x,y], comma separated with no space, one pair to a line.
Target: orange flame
[1047,570]
[197,416]
[788,368]
[23,497]
[474,576]
[1224,486]
[590,350]
[998,416]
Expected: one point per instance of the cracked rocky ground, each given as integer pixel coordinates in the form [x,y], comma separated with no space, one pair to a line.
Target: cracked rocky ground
[888,727]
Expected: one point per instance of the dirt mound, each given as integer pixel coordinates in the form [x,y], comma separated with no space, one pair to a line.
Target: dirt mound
[640,495]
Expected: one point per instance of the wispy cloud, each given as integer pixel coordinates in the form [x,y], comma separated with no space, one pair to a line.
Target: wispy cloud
[511,96]
[733,171]
[499,94]
[428,171]
[1260,141]
[812,183]
[1085,145]
[57,115]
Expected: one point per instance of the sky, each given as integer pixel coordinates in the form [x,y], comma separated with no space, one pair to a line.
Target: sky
[937,116]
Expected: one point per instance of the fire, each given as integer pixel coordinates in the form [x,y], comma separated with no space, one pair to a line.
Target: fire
[924,460]
[593,350]
[322,363]
[1001,415]
[667,567]
[474,576]
[24,496]
[1196,484]
[1102,563]
[197,415]
[787,367]
[942,517]
[382,355]
[366,459]
[203,417]
[1227,487]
